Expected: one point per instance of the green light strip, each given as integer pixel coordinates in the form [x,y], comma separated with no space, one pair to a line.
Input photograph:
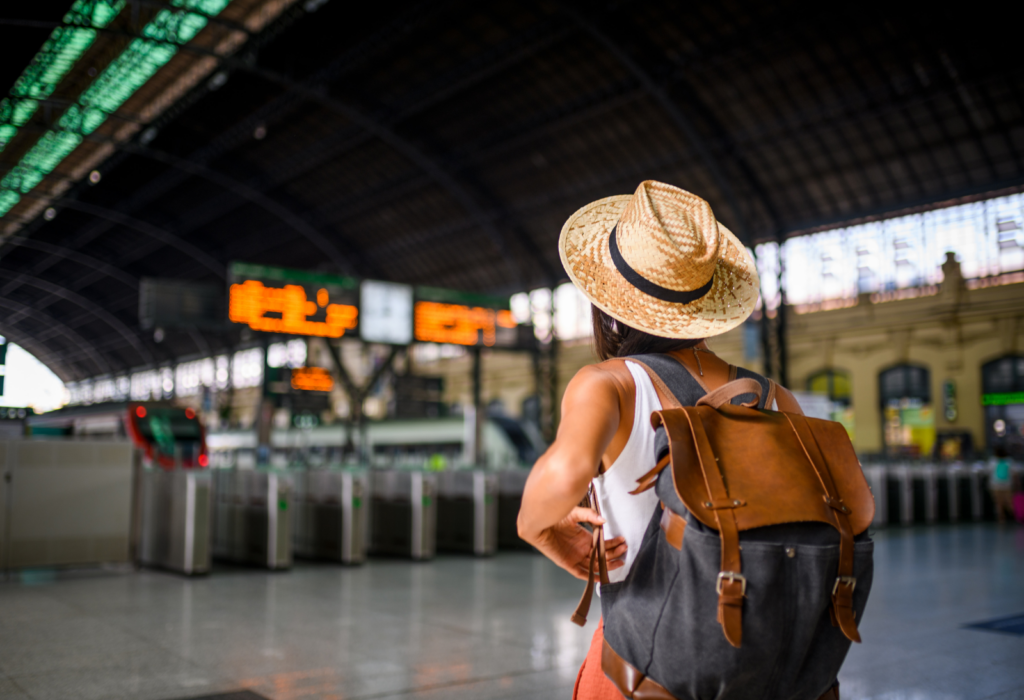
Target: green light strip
[119,81]
[1002,399]
[59,53]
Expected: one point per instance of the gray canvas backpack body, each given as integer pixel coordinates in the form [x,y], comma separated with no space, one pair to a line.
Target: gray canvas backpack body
[757,562]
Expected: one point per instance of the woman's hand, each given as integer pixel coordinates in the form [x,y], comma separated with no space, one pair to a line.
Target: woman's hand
[568,544]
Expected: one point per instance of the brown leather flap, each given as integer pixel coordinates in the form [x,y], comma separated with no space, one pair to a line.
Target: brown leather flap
[765,466]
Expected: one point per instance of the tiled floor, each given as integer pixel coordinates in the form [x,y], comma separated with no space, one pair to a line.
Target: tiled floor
[460,628]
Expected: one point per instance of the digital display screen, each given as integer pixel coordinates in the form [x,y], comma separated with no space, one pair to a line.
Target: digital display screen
[437,322]
[293,302]
[297,302]
[386,312]
[312,379]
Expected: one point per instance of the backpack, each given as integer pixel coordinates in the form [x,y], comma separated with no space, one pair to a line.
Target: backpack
[756,566]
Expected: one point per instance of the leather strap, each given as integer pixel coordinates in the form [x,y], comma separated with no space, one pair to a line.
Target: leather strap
[648,480]
[773,390]
[674,527]
[785,401]
[727,392]
[629,680]
[842,591]
[731,584]
[598,557]
[636,686]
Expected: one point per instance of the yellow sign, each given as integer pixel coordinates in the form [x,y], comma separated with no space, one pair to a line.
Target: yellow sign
[312,379]
[251,301]
[457,324]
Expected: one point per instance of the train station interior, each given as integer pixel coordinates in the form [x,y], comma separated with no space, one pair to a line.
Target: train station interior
[287,318]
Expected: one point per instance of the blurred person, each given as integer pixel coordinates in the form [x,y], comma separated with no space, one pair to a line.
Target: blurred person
[1000,483]
[690,279]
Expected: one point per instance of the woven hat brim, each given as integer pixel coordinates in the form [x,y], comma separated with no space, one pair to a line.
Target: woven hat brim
[583,247]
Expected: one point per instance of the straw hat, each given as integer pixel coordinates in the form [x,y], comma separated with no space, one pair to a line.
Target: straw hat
[659,261]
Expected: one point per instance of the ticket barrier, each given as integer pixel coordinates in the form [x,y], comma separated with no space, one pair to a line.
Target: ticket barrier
[251,521]
[404,513]
[511,483]
[174,532]
[898,495]
[467,511]
[959,494]
[330,514]
[907,494]
[964,489]
[876,476]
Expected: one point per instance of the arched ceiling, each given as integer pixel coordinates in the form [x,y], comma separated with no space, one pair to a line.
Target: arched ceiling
[445,143]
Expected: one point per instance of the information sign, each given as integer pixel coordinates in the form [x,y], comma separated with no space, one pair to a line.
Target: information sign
[297,302]
[312,379]
[1007,398]
[293,302]
[459,318]
[386,312]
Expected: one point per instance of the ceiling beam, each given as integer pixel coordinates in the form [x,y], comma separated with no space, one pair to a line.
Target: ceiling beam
[682,122]
[58,327]
[87,305]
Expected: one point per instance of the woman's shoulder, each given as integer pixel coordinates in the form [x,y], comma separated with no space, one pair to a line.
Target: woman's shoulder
[610,375]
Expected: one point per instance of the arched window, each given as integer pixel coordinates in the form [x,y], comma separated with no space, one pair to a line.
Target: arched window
[1002,394]
[905,394]
[837,385]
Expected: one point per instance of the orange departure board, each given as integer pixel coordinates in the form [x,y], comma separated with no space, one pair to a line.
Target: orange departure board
[251,302]
[437,322]
[312,379]
[293,302]
[308,303]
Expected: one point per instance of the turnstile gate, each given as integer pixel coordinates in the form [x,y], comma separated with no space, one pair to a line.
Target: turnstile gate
[467,511]
[511,483]
[908,494]
[251,523]
[175,519]
[875,474]
[404,513]
[329,514]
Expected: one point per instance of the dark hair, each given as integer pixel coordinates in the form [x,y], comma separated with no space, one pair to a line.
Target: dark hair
[614,338]
[1001,452]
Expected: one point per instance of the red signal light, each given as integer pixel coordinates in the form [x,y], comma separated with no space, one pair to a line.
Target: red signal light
[140,411]
[203,460]
[189,413]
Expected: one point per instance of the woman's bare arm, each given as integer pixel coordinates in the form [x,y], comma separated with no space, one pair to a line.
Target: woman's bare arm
[549,515]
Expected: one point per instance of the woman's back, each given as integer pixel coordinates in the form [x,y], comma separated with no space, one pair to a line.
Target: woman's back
[627,515]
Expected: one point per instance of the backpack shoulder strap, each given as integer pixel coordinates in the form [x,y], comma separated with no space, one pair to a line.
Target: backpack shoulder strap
[785,400]
[767,387]
[672,377]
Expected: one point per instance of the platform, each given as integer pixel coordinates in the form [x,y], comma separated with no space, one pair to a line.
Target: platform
[465,628]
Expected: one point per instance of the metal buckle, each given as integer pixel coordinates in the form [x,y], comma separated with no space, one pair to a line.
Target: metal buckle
[850,581]
[731,576]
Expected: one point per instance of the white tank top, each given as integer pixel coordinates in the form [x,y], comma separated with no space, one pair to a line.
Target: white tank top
[625,514]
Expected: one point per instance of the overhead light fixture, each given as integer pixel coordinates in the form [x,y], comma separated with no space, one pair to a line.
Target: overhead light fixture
[59,53]
[144,56]
[218,80]
[95,177]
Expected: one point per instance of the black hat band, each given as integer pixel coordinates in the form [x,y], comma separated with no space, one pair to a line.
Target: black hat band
[646,286]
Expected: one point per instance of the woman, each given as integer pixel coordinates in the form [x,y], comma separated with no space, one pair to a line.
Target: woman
[663,276]
[1000,484]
